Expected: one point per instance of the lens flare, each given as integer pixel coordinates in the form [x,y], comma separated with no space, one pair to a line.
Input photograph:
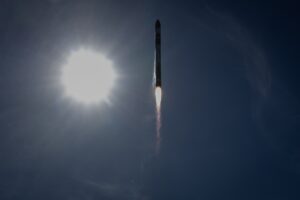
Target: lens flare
[158,98]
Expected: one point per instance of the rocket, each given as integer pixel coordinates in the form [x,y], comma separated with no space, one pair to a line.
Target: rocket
[157,81]
[157,63]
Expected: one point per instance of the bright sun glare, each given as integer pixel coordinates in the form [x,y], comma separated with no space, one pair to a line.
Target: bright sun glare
[88,76]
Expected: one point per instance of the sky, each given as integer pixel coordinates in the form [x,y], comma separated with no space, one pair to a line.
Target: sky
[230,110]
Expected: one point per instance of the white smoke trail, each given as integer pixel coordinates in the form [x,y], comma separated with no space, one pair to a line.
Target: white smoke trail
[158,98]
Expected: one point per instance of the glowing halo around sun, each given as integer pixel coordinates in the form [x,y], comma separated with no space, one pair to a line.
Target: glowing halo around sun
[88,77]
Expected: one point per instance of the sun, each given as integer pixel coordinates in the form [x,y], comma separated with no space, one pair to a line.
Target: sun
[88,77]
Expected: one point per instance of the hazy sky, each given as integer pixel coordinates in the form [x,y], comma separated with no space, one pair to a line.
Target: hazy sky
[230,113]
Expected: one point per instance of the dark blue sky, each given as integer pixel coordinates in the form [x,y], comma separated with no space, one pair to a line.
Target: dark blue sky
[231,105]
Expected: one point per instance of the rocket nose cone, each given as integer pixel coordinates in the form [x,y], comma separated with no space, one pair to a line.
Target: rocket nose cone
[157,24]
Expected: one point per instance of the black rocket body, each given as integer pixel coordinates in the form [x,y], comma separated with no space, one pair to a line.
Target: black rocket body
[157,54]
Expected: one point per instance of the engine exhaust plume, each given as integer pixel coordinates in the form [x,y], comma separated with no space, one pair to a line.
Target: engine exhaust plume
[158,98]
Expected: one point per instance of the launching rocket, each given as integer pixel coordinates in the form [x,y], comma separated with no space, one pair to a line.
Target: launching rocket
[157,70]
[157,81]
